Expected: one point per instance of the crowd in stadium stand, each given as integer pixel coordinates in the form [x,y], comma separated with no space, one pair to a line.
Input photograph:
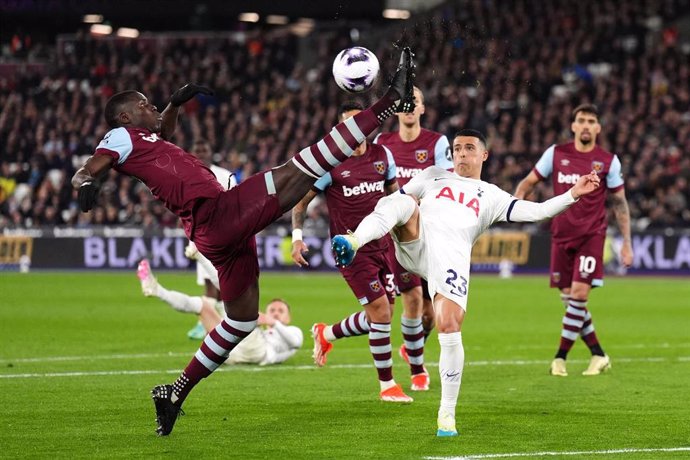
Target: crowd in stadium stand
[486,65]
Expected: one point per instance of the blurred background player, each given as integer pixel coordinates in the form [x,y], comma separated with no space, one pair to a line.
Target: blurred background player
[202,150]
[436,218]
[273,344]
[415,149]
[222,223]
[578,235]
[352,190]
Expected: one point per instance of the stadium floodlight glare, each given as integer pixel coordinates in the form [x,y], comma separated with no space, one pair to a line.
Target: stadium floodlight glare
[248,17]
[392,13]
[127,32]
[93,18]
[303,27]
[277,19]
[101,29]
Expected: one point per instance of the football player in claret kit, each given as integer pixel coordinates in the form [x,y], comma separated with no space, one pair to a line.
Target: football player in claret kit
[415,149]
[222,223]
[434,239]
[352,190]
[578,235]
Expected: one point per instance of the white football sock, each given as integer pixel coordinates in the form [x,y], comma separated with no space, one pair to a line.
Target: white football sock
[179,301]
[391,211]
[450,366]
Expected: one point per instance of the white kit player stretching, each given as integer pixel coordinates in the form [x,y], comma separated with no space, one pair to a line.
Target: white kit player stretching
[435,220]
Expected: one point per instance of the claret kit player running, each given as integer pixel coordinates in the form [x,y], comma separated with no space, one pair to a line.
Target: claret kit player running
[222,223]
[352,191]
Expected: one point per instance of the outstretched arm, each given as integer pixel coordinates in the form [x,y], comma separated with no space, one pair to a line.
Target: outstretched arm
[87,178]
[526,185]
[179,97]
[299,213]
[622,213]
[527,211]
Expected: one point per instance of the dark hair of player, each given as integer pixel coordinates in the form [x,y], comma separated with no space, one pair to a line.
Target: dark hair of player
[472,133]
[586,108]
[114,106]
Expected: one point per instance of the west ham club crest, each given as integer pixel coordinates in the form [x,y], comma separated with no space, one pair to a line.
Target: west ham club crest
[380,167]
[421,155]
[597,166]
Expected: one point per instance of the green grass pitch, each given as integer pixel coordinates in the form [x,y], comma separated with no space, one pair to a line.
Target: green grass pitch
[79,353]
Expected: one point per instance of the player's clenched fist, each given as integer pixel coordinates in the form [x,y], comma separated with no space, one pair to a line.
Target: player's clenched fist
[187,92]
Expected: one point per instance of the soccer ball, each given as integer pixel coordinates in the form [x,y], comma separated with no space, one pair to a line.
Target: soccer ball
[355,69]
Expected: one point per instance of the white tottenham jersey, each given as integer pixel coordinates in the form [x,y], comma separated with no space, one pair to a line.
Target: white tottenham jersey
[457,209]
[281,342]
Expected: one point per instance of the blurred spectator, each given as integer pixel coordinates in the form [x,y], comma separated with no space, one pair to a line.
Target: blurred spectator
[514,69]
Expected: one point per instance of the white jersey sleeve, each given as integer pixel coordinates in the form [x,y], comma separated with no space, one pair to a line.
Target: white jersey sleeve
[119,141]
[502,203]
[545,164]
[529,211]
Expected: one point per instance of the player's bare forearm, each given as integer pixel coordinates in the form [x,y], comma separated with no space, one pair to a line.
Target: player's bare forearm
[526,186]
[619,205]
[522,190]
[94,168]
[299,212]
[169,122]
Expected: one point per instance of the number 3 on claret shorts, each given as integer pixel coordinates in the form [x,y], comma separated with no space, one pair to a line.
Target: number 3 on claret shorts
[460,290]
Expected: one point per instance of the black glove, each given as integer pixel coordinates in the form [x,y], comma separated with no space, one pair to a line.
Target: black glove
[187,92]
[88,192]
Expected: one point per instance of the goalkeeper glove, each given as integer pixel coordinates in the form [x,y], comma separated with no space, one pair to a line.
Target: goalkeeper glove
[187,92]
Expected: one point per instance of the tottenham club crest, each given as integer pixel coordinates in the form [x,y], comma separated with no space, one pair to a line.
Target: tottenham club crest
[597,166]
[375,286]
[380,167]
[421,155]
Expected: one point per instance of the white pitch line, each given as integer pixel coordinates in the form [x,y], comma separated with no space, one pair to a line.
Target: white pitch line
[570,453]
[189,354]
[313,368]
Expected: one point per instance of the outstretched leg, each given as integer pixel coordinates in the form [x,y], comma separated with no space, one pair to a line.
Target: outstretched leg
[295,178]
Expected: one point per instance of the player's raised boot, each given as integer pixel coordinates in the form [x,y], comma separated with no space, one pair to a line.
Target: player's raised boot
[597,365]
[420,382]
[558,368]
[149,284]
[321,345]
[344,249]
[403,81]
[166,412]
[446,425]
[395,394]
